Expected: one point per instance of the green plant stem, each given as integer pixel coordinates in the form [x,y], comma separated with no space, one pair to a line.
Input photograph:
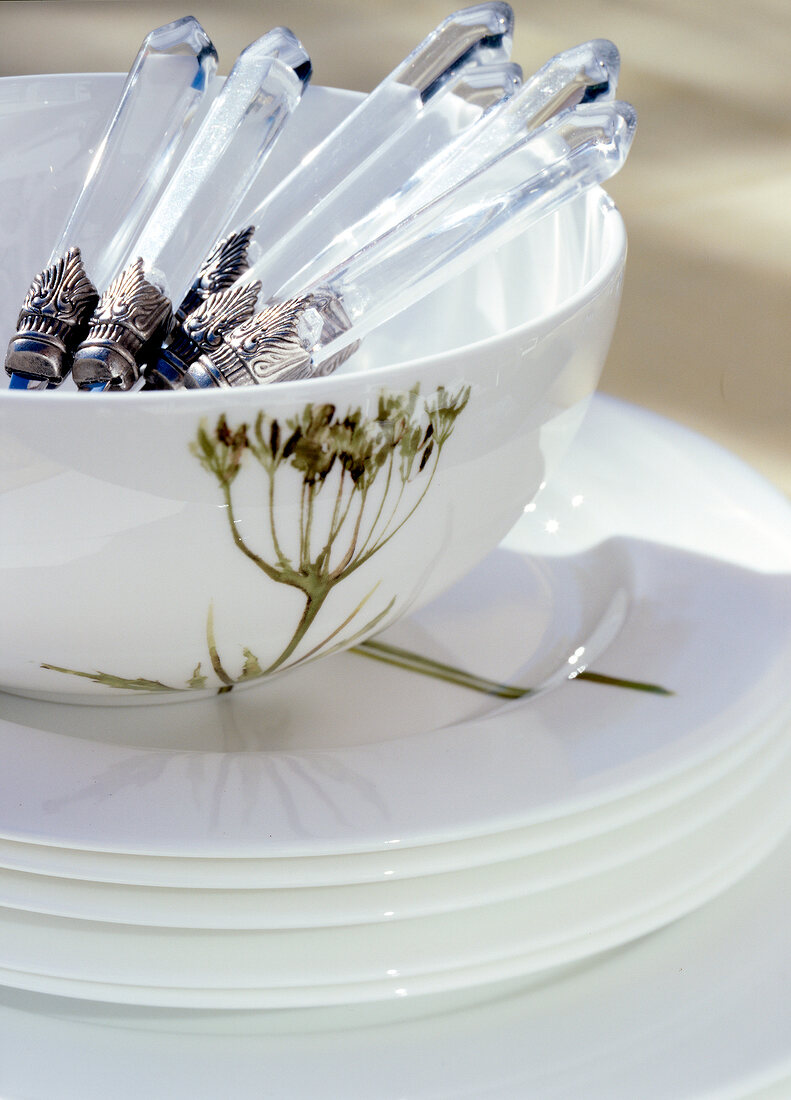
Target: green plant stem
[619,682]
[107,679]
[380,509]
[302,554]
[426,666]
[362,558]
[313,604]
[264,566]
[324,556]
[214,656]
[278,552]
[338,571]
[342,626]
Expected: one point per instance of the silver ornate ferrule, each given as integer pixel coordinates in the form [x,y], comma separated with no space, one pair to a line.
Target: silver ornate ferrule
[53,320]
[221,268]
[332,362]
[126,330]
[275,345]
[335,321]
[203,332]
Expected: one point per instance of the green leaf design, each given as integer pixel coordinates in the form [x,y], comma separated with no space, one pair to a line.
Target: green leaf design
[427,666]
[350,451]
[108,679]
[197,681]
[251,670]
[398,447]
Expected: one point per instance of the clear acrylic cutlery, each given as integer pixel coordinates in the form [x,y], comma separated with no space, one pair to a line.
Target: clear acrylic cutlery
[373,188]
[450,155]
[384,193]
[135,312]
[312,332]
[168,85]
[404,175]
[478,35]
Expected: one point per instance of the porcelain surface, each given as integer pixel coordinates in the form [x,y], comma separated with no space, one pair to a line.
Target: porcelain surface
[663,800]
[383,956]
[699,1009]
[678,537]
[166,545]
[256,904]
[555,843]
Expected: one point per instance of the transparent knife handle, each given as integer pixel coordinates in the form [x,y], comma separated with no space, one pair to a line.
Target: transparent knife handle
[261,92]
[503,199]
[485,29]
[369,195]
[587,73]
[583,74]
[166,86]
[314,330]
[169,81]
[480,34]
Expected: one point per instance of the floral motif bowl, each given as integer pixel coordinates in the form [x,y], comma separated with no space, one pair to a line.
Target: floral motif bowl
[156,545]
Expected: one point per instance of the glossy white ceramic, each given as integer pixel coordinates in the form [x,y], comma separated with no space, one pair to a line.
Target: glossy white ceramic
[694,801]
[170,544]
[380,962]
[679,537]
[572,834]
[698,1009]
[253,906]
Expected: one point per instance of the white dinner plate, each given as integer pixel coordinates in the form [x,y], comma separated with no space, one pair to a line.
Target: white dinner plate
[669,557]
[600,825]
[396,863]
[699,1009]
[397,898]
[414,956]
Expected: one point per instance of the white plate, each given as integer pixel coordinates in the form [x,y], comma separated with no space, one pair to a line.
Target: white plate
[548,837]
[669,546]
[699,1010]
[394,899]
[415,956]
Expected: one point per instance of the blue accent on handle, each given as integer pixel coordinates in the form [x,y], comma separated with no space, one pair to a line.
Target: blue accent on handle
[19,383]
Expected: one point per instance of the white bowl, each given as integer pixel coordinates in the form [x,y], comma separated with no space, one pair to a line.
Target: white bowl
[148,554]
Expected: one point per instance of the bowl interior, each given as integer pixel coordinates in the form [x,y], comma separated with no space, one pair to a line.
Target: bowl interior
[53,122]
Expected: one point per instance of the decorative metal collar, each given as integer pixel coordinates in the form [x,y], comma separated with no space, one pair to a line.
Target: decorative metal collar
[53,320]
[203,332]
[268,347]
[275,345]
[221,268]
[126,330]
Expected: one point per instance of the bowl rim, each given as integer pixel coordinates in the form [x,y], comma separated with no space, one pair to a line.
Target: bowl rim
[613,257]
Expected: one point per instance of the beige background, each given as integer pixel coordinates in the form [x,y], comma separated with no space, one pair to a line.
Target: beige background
[705,327]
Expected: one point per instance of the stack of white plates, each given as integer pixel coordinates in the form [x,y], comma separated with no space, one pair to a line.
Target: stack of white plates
[364,832]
